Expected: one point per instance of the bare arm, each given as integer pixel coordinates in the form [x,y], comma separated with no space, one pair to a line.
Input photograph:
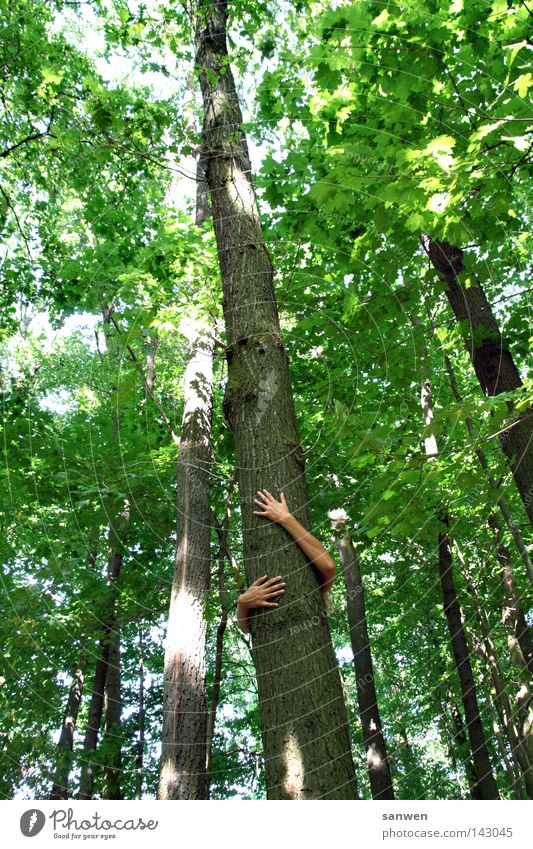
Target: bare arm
[278,511]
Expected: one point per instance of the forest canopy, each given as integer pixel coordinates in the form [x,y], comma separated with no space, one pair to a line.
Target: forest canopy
[278,246]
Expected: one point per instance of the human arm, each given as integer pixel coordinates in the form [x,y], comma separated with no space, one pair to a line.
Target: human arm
[278,511]
[262,593]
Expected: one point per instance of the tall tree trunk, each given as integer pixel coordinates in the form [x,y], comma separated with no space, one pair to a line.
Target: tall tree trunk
[484,778]
[465,750]
[513,614]
[492,360]
[514,776]
[183,755]
[113,716]
[94,719]
[485,783]
[106,657]
[502,503]
[376,749]
[139,756]
[222,533]
[459,740]
[66,739]
[487,649]
[304,721]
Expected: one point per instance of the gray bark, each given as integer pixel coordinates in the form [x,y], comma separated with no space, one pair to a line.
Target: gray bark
[304,721]
[183,754]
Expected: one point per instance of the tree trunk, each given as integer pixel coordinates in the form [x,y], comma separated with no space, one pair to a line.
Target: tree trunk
[376,749]
[459,740]
[139,757]
[492,361]
[487,649]
[113,715]
[465,751]
[484,778]
[485,783]
[502,503]
[513,615]
[222,533]
[94,719]
[303,716]
[514,776]
[105,658]
[183,755]
[66,739]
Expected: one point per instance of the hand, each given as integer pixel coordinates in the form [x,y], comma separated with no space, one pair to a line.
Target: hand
[262,593]
[277,511]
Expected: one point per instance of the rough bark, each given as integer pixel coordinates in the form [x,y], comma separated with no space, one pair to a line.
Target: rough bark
[484,778]
[183,754]
[303,716]
[493,362]
[66,739]
[376,750]
[222,533]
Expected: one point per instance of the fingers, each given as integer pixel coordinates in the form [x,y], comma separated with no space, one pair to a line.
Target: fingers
[259,581]
[268,604]
[265,495]
[274,581]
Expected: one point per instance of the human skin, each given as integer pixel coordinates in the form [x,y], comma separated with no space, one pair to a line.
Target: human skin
[264,592]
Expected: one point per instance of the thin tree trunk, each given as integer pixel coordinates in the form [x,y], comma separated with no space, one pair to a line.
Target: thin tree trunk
[459,738]
[94,719]
[185,719]
[376,749]
[502,503]
[66,739]
[514,776]
[484,777]
[183,755]
[513,614]
[492,360]
[502,702]
[524,704]
[139,757]
[222,533]
[304,720]
[465,750]
[113,716]
[485,783]
[451,745]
